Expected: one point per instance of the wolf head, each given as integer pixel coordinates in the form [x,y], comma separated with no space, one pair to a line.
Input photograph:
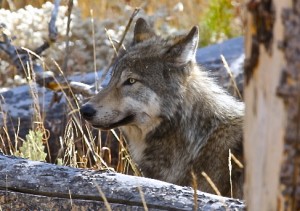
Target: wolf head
[146,78]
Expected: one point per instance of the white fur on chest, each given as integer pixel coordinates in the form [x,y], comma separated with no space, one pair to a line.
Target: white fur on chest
[136,142]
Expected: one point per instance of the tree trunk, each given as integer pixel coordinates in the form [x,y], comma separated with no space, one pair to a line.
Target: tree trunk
[41,186]
[272,97]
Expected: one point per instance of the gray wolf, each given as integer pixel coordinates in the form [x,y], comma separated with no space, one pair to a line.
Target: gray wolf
[176,119]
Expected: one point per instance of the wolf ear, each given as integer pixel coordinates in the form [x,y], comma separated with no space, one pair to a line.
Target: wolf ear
[185,49]
[142,31]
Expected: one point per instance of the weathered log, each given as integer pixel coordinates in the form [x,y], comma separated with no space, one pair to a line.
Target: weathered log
[43,186]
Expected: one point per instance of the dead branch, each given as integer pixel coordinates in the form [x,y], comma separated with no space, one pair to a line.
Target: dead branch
[19,57]
[31,184]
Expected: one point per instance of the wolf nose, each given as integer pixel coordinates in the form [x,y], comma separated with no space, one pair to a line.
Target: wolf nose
[87,111]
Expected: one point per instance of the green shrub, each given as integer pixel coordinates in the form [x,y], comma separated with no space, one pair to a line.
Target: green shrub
[33,147]
[218,22]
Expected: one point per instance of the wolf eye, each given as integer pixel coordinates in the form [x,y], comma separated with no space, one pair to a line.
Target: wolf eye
[130,81]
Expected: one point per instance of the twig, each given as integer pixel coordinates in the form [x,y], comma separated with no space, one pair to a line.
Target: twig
[42,48]
[12,6]
[231,76]
[16,55]
[195,188]
[105,71]
[107,205]
[237,162]
[70,7]
[111,42]
[211,183]
[12,54]
[52,27]
[135,12]
[230,173]
[94,51]
[71,201]
[143,198]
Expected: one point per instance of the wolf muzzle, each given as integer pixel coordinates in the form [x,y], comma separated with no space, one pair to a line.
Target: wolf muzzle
[88,112]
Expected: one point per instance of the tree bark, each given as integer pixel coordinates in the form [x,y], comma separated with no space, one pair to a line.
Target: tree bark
[289,90]
[41,186]
[272,132]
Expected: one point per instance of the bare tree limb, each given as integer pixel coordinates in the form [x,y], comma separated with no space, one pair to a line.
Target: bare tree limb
[16,55]
[65,65]
[52,26]
[135,12]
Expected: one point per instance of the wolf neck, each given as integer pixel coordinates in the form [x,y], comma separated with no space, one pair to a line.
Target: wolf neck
[206,106]
[136,137]
[202,107]
[208,99]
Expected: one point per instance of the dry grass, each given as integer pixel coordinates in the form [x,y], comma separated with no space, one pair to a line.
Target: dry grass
[79,146]
[232,78]
[143,198]
[195,188]
[211,183]
[78,143]
[107,205]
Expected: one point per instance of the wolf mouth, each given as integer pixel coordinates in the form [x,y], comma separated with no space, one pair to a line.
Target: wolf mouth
[128,119]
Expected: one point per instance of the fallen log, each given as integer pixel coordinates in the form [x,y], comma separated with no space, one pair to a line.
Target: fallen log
[42,186]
